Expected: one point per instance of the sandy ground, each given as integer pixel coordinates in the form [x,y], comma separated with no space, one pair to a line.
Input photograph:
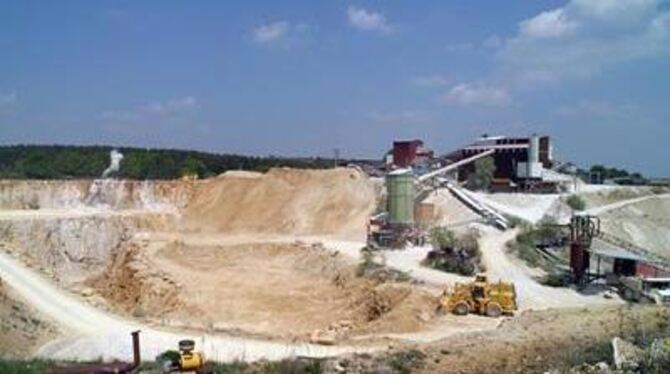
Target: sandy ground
[22,328]
[529,207]
[284,290]
[246,280]
[644,221]
[542,340]
[93,333]
[301,202]
[450,212]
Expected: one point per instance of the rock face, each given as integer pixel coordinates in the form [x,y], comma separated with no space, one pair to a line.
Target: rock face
[105,193]
[72,229]
[72,247]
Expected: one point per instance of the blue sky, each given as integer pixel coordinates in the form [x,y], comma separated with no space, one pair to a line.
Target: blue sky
[304,77]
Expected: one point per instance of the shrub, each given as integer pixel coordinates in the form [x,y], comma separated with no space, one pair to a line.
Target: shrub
[454,254]
[483,175]
[526,242]
[576,203]
[405,362]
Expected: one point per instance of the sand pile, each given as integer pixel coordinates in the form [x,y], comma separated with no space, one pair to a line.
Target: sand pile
[450,211]
[287,201]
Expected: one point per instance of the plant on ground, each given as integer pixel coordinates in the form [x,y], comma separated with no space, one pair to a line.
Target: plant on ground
[575,202]
[454,254]
[405,362]
[525,244]
[483,175]
[24,367]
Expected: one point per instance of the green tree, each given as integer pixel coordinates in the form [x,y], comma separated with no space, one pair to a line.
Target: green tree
[483,175]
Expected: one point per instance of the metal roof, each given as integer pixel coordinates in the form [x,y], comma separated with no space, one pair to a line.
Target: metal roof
[606,249]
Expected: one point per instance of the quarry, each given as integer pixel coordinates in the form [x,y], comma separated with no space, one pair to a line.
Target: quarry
[324,263]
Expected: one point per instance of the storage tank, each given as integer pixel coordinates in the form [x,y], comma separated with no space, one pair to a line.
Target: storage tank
[534,167]
[534,149]
[400,194]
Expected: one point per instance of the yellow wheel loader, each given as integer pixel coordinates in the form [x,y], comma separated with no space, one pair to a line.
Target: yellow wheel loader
[480,297]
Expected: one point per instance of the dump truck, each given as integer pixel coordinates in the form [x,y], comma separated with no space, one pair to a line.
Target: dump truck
[479,297]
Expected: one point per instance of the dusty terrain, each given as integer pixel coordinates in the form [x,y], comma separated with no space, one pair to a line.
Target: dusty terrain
[307,202]
[644,223]
[22,329]
[258,265]
[538,341]
[271,290]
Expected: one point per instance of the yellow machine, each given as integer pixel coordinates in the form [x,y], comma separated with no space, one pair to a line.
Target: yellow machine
[190,361]
[481,297]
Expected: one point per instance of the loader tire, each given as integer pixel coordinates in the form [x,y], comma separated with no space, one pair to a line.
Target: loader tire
[461,309]
[493,309]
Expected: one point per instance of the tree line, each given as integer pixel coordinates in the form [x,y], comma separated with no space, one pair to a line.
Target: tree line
[72,162]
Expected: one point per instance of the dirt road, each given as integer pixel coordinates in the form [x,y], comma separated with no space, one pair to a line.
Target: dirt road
[621,204]
[531,294]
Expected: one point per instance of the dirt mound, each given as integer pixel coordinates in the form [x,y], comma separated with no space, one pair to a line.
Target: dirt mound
[331,202]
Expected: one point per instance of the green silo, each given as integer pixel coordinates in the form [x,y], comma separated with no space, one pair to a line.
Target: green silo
[400,195]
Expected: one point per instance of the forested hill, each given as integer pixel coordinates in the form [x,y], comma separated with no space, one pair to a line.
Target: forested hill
[71,162]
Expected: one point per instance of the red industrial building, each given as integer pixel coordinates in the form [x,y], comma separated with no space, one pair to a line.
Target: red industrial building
[407,153]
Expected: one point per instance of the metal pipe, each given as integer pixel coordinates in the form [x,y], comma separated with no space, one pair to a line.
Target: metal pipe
[137,359]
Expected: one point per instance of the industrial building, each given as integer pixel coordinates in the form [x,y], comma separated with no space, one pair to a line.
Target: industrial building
[520,162]
[409,153]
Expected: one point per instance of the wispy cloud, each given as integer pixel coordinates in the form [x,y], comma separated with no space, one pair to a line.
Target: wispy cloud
[271,32]
[363,19]
[584,37]
[477,94]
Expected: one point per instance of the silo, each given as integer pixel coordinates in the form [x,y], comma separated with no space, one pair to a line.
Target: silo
[534,170]
[534,149]
[400,189]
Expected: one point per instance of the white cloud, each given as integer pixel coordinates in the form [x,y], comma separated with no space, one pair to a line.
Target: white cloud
[9,99]
[363,19]
[477,94]
[430,81]
[271,32]
[551,24]
[582,38]
[156,111]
